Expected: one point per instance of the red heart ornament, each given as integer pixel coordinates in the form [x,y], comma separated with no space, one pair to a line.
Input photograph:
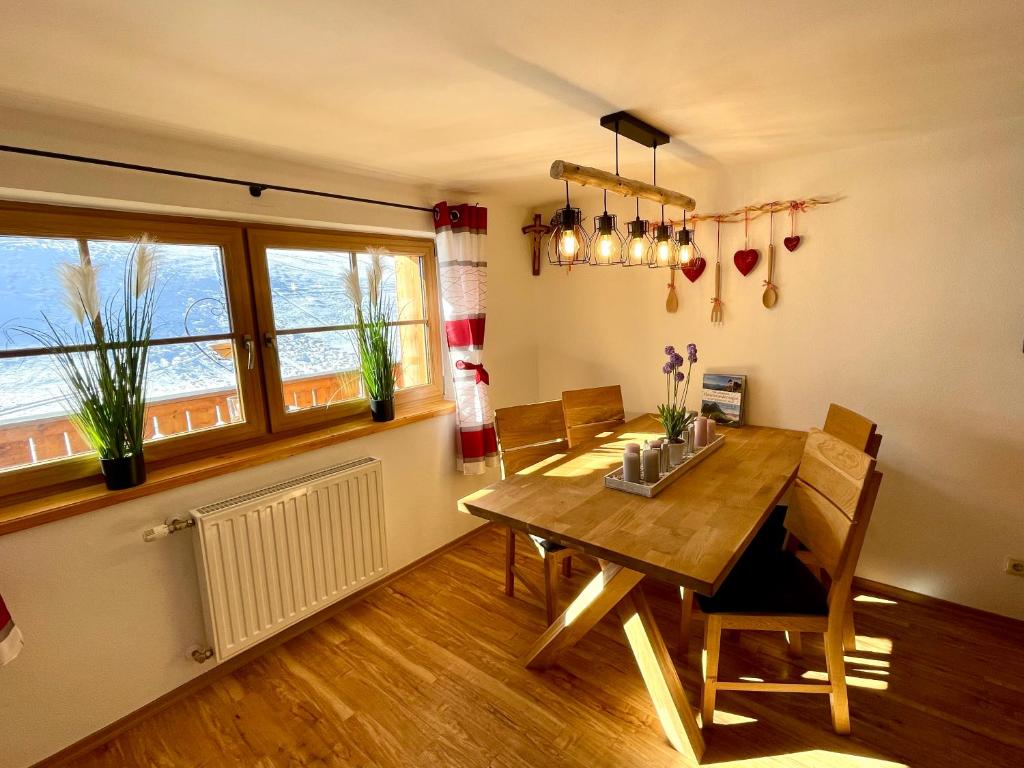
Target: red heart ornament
[791,243]
[694,269]
[746,260]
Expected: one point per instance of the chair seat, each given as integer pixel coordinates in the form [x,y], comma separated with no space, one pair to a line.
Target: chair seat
[775,584]
[547,546]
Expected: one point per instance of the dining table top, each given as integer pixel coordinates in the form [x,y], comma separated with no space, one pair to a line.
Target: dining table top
[690,534]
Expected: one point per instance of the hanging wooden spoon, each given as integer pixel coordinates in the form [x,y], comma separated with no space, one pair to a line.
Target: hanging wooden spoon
[672,301]
[770,295]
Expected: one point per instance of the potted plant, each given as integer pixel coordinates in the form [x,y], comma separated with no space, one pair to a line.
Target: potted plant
[102,361]
[376,342]
[673,414]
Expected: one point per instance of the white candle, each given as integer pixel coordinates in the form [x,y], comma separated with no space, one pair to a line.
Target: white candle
[711,431]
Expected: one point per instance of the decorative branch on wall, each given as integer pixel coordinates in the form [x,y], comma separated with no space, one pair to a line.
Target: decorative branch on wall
[746,259]
[756,210]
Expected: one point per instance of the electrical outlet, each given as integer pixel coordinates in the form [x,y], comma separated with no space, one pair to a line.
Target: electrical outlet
[1014,567]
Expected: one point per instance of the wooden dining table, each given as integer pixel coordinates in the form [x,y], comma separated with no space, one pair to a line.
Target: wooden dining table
[691,535]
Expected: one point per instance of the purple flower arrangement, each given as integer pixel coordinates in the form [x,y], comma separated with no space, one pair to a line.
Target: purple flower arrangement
[673,414]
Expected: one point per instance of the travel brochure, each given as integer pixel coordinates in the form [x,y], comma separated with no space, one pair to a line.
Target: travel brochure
[722,398]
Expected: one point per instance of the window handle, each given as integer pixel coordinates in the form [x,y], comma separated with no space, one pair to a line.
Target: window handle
[250,350]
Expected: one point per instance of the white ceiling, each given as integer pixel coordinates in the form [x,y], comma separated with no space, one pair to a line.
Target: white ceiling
[480,95]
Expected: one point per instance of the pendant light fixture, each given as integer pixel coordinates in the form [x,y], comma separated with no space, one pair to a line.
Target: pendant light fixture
[607,244]
[663,252]
[686,245]
[568,243]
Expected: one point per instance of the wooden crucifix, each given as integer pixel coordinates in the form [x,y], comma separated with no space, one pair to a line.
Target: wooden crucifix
[536,231]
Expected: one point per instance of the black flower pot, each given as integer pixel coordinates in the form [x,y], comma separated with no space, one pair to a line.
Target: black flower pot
[382,410]
[124,473]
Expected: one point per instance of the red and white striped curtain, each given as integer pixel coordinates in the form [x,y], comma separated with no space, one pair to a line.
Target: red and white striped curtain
[10,635]
[461,232]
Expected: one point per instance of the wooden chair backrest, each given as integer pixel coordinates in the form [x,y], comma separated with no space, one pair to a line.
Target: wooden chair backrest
[529,433]
[833,495]
[589,412]
[857,430]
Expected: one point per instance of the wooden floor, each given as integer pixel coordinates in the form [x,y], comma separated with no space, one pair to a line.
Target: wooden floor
[425,672]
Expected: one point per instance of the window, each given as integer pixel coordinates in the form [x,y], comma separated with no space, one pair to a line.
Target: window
[222,368]
[307,319]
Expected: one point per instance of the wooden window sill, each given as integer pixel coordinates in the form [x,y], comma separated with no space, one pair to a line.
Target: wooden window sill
[172,473]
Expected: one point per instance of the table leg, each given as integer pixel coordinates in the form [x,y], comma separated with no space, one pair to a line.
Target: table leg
[616,587]
[590,606]
[660,676]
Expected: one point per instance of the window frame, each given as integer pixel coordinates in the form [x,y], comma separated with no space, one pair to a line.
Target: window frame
[251,314]
[23,220]
[262,238]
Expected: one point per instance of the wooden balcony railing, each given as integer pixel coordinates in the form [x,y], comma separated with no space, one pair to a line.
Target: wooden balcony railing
[55,437]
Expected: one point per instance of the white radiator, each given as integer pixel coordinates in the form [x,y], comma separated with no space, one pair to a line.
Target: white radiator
[269,558]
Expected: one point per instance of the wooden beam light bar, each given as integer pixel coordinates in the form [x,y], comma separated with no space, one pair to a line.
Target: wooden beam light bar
[619,185]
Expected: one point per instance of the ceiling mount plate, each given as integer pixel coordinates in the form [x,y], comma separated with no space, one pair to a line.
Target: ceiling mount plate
[635,129]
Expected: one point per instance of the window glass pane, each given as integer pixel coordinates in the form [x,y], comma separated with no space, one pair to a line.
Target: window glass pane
[413,367]
[33,426]
[307,288]
[193,297]
[29,286]
[191,387]
[402,283]
[318,369]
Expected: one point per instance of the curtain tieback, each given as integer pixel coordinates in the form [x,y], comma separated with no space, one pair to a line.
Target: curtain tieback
[481,372]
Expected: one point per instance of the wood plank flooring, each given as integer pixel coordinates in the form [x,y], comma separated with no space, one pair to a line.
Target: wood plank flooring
[427,671]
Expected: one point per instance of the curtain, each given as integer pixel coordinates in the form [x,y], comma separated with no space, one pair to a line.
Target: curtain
[10,636]
[461,231]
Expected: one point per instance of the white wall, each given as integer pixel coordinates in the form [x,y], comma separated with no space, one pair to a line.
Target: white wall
[904,303]
[106,617]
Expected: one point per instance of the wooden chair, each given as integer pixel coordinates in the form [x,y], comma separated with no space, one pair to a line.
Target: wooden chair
[528,434]
[833,497]
[862,434]
[589,412]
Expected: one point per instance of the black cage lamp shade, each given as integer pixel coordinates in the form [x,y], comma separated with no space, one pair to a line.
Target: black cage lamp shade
[686,246]
[568,243]
[637,250]
[663,250]
[606,248]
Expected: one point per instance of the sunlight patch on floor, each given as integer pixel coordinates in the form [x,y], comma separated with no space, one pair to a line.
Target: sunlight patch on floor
[731,718]
[863,661]
[815,757]
[851,680]
[874,644]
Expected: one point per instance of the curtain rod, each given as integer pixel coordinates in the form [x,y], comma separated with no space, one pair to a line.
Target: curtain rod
[256,189]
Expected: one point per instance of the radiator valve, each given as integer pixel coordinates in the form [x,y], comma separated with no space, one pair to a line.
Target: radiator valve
[171,526]
[199,654]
